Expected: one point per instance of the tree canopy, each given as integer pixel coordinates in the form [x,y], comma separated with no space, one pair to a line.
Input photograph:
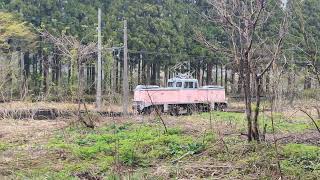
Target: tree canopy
[14,30]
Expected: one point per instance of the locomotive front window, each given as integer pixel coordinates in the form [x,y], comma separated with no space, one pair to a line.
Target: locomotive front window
[195,85]
[179,84]
[170,84]
[188,85]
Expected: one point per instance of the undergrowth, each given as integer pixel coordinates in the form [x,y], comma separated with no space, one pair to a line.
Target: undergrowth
[127,145]
[3,146]
[280,122]
[301,160]
[135,151]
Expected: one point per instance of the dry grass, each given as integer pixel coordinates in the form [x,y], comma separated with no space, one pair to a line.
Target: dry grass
[26,140]
[19,105]
[60,106]
[28,129]
[29,138]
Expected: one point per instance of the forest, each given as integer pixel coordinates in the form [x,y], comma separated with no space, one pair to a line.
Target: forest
[89,89]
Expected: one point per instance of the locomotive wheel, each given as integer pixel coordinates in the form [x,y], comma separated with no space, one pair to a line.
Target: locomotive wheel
[152,110]
[189,110]
[220,107]
[174,111]
[147,110]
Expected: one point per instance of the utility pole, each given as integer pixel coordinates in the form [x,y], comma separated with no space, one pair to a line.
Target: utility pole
[98,95]
[125,69]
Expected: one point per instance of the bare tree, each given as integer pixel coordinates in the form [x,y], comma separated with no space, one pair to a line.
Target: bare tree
[78,53]
[251,49]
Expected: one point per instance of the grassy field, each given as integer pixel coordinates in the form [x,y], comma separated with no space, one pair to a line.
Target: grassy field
[207,145]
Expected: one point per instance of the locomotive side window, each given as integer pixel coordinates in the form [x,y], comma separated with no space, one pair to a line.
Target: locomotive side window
[179,84]
[185,85]
[188,85]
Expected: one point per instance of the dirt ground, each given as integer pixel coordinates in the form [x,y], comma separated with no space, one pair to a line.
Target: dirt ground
[26,130]
[29,138]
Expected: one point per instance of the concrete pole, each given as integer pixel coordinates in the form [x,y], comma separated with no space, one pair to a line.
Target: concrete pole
[98,95]
[125,70]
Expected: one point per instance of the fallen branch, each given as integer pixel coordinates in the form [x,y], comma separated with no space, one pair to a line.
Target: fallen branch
[181,157]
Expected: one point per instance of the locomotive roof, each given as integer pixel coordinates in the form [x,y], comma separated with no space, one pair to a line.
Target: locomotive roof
[182,79]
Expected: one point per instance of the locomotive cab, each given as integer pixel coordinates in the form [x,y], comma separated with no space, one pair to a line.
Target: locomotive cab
[183,83]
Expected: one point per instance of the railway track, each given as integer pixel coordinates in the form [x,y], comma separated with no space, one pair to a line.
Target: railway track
[51,114]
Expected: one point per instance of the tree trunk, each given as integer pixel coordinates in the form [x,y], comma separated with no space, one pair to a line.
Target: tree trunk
[267,83]
[120,76]
[148,74]
[144,73]
[45,74]
[154,74]
[198,71]
[131,76]
[247,93]
[27,64]
[232,82]
[209,73]
[291,87]
[158,74]
[117,76]
[240,84]
[216,81]
[255,130]
[221,75]
[202,78]
[40,70]
[114,75]
[226,80]
[166,75]
[139,71]
[69,74]
[93,79]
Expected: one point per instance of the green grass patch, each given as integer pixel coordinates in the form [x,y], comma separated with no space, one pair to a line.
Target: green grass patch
[281,124]
[223,116]
[301,160]
[298,161]
[132,145]
[3,146]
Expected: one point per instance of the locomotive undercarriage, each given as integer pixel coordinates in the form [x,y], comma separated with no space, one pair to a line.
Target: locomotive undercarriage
[182,109]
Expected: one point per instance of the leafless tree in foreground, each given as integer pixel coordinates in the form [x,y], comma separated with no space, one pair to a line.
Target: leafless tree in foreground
[251,48]
[78,54]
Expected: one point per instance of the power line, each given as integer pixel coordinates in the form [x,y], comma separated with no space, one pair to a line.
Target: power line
[169,54]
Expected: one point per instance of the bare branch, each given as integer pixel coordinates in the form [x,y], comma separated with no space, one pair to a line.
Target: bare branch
[312,119]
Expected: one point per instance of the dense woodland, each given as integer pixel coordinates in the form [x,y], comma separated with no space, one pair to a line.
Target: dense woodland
[161,34]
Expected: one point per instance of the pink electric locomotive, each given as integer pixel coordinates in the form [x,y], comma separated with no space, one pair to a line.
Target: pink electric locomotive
[182,96]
